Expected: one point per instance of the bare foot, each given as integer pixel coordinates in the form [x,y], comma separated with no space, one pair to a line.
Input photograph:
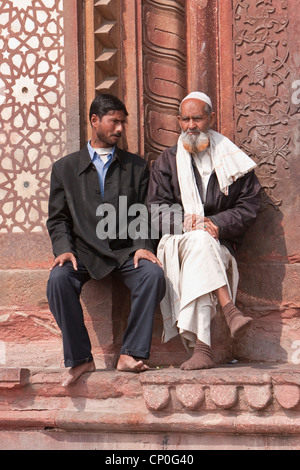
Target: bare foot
[129,364]
[75,372]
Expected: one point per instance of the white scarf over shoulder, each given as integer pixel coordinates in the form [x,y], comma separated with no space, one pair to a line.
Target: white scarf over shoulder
[229,162]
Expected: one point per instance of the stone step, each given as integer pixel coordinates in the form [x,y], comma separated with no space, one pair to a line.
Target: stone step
[229,403]
[270,389]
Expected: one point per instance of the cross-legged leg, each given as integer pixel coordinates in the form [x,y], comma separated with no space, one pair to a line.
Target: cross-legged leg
[236,321]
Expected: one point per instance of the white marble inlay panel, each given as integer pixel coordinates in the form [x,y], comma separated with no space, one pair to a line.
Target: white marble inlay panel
[32,109]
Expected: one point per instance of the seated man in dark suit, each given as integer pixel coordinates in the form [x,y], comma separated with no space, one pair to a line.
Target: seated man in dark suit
[83,186]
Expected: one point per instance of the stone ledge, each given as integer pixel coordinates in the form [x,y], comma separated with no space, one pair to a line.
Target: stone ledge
[10,378]
[241,388]
[178,422]
[30,419]
[118,422]
[253,398]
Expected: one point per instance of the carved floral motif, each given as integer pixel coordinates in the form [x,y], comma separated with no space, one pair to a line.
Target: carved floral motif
[262,88]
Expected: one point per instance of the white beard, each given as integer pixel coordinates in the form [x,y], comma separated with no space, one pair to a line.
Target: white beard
[195,143]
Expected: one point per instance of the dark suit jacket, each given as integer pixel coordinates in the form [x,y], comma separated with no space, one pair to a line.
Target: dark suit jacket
[74,199]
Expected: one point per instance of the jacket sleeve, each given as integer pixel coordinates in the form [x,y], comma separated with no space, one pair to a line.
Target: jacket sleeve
[234,221]
[59,223]
[165,211]
[145,243]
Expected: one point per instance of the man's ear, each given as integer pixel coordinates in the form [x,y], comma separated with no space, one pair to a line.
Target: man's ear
[94,119]
[212,119]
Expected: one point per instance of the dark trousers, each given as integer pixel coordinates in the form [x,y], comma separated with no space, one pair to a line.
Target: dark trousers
[147,286]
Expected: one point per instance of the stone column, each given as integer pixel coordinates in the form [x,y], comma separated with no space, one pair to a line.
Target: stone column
[202,54]
[164,72]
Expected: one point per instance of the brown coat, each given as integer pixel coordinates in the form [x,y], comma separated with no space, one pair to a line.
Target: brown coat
[233,214]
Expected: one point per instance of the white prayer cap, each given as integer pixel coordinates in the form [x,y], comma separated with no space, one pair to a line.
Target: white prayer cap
[197,95]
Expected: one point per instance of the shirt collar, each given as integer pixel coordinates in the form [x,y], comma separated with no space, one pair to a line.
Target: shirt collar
[85,158]
[92,151]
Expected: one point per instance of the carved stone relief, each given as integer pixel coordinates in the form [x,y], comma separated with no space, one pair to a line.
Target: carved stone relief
[164,65]
[107,46]
[262,87]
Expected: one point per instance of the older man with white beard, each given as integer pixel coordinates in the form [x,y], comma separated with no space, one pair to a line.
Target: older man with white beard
[214,183]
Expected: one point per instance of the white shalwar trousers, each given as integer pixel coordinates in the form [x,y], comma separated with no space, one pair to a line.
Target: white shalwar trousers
[195,265]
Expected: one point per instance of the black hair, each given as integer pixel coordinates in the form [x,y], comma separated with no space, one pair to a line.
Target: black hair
[105,103]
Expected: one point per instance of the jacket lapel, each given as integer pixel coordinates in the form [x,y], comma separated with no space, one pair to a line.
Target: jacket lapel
[84,160]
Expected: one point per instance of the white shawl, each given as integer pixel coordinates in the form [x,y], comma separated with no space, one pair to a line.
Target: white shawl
[229,162]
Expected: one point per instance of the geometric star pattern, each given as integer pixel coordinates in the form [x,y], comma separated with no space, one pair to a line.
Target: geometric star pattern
[32,109]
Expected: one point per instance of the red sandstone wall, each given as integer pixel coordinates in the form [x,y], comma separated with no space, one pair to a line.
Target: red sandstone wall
[246,58]
[39,115]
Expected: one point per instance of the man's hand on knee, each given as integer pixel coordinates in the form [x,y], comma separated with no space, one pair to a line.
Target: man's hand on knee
[198,222]
[63,258]
[145,254]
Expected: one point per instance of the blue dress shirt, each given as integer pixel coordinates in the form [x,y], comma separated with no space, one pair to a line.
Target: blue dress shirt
[101,167]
